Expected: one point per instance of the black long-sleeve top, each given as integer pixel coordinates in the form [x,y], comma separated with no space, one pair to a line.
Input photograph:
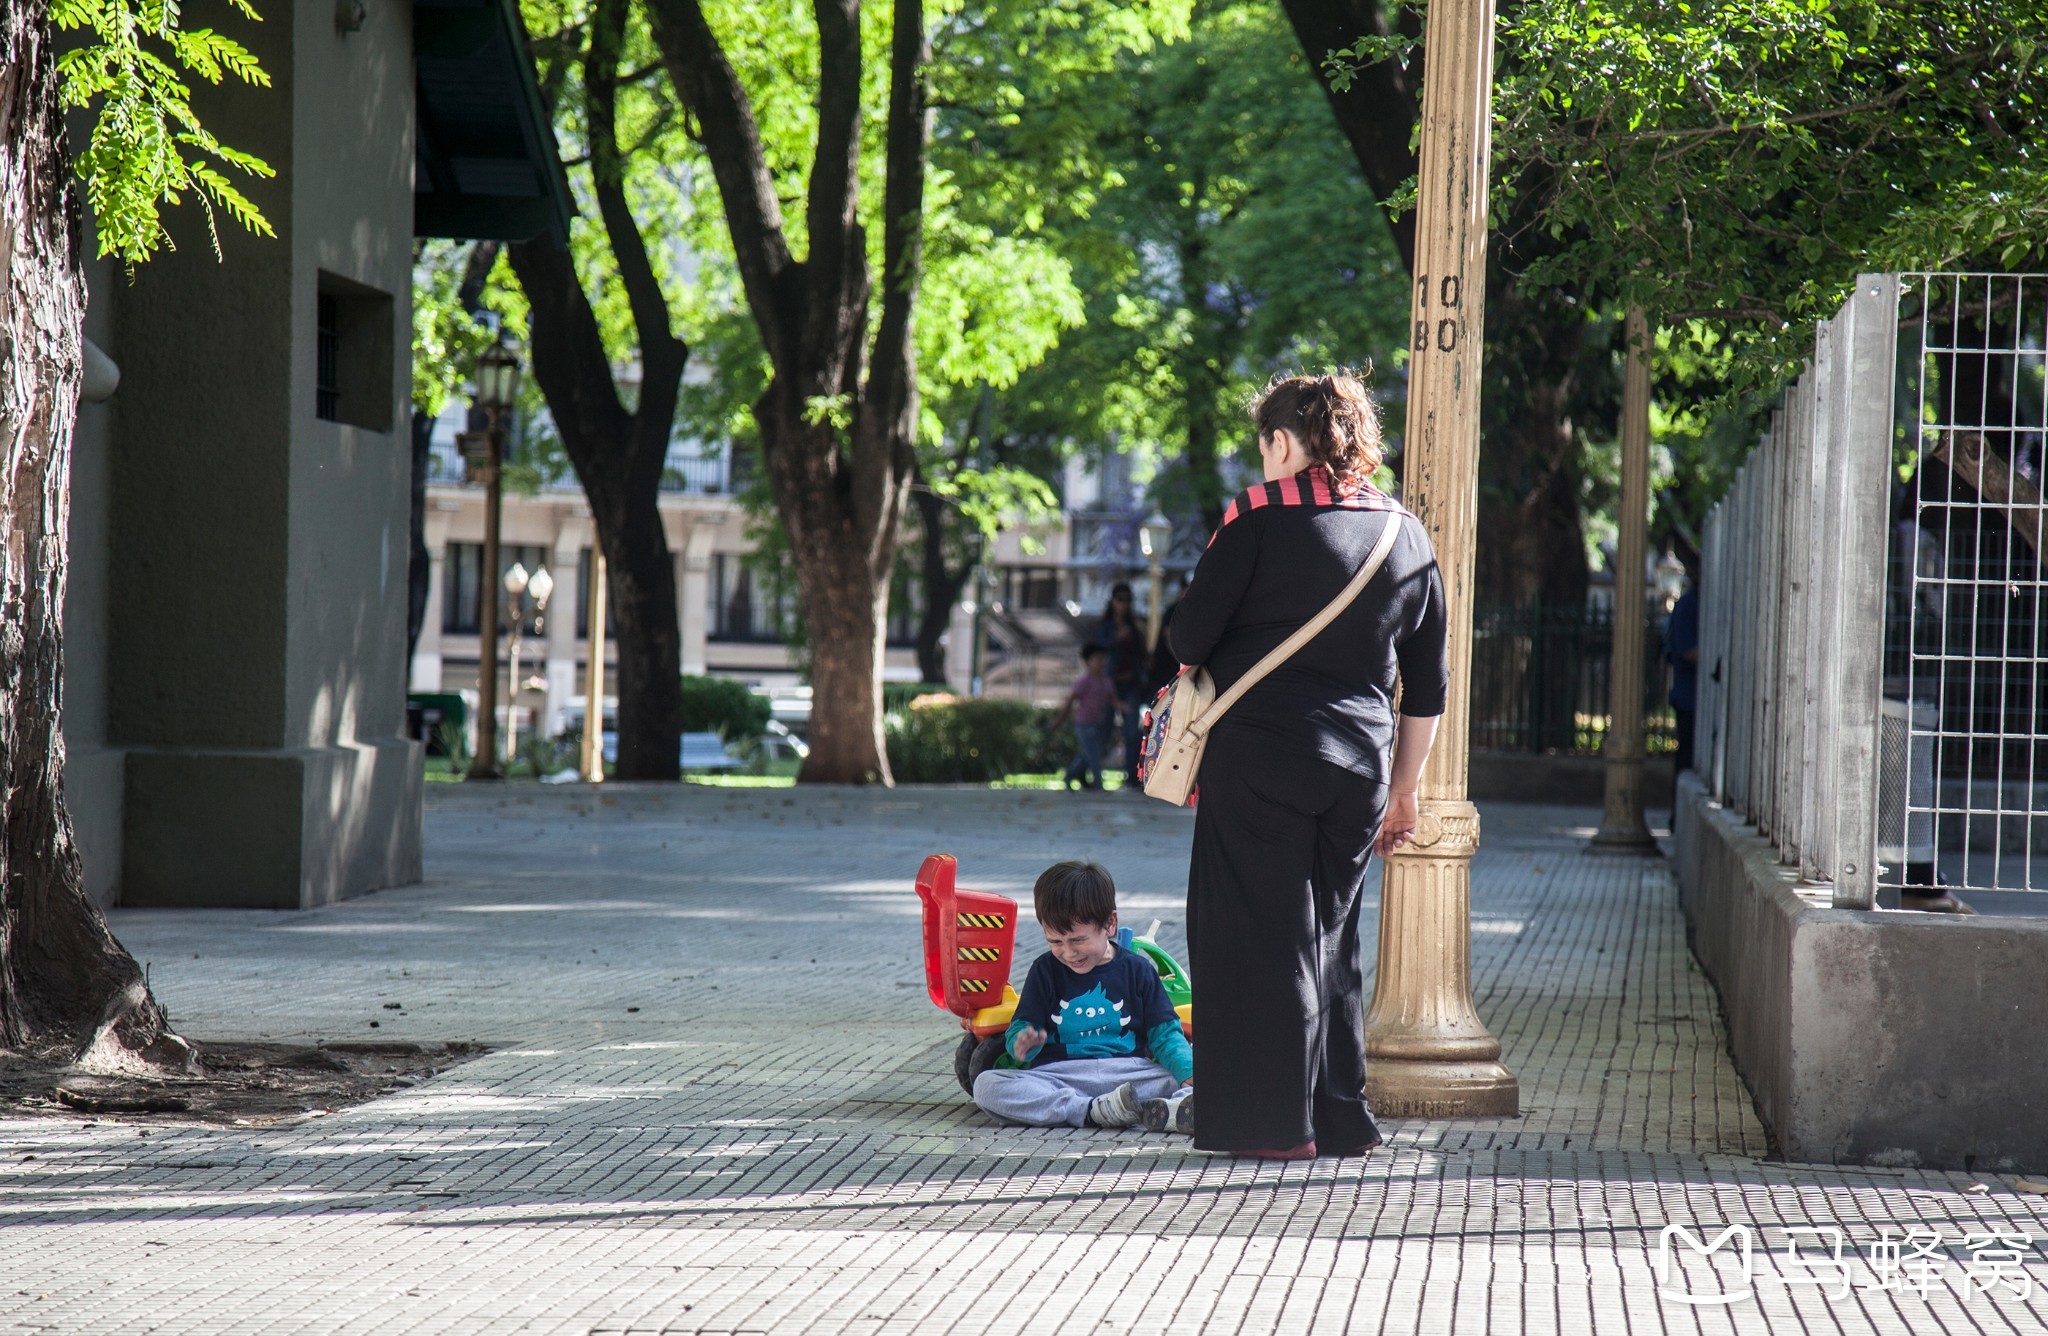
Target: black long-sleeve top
[1284,551]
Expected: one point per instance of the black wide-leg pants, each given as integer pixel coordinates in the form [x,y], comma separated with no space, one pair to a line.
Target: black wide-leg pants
[1282,839]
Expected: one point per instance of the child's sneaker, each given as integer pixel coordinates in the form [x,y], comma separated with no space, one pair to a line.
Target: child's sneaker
[1170,1115]
[1119,1108]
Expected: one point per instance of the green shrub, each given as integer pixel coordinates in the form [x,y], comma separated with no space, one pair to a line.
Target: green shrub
[725,707]
[940,739]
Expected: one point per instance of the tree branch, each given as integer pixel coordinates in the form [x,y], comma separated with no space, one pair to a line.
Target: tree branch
[710,89]
[835,270]
[1891,99]
[892,380]
[1378,140]
[569,359]
[659,348]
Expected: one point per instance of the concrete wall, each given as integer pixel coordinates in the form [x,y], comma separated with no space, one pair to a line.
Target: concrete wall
[92,769]
[1869,1037]
[255,590]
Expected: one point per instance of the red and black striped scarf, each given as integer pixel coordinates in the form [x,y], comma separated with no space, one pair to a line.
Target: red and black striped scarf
[1310,487]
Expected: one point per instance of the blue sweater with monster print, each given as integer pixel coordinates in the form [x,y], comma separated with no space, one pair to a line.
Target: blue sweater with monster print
[1116,1010]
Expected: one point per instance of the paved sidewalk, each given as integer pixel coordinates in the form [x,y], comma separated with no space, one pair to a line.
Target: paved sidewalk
[719,1102]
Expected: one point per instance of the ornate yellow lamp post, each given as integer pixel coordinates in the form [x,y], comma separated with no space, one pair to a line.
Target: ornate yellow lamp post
[497,389]
[593,674]
[1427,1052]
[1623,829]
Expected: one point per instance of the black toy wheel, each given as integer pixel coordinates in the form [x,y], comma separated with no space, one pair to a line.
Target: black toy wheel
[975,1056]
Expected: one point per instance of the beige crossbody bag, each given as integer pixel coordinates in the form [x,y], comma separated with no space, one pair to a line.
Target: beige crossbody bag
[1188,707]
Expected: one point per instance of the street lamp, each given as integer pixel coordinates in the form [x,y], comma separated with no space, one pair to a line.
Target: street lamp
[497,388]
[1428,1054]
[518,587]
[1155,537]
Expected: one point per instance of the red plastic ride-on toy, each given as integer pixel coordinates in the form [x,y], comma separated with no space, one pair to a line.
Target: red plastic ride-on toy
[969,938]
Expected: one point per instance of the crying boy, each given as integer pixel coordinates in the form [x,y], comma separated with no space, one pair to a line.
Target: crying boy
[1094,1040]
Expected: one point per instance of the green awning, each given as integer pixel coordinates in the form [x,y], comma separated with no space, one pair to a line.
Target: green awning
[485,163]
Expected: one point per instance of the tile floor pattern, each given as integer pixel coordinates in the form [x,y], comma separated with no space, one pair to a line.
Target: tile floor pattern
[773,1140]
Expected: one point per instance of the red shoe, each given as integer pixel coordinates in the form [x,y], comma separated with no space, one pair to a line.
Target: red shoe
[1305,1151]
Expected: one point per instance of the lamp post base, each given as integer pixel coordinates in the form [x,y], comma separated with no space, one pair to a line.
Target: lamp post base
[1638,843]
[1400,1088]
[1427,1052]
[1623,830]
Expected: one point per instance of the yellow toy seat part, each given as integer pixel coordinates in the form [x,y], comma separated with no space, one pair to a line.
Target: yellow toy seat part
[995,1019]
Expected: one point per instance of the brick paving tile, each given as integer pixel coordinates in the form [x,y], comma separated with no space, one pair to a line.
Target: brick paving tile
[773,1141]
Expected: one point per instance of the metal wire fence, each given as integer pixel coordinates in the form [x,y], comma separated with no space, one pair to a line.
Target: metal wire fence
[1966,651]
[1873,659]
[1539,679]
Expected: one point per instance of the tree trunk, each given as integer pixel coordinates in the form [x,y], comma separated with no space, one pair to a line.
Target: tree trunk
[842,564]
[942,586]
[1532,541]
[836,447]
[641,605]
[419,568]
[67,988]
[618,455]
[618,459]
[846,613]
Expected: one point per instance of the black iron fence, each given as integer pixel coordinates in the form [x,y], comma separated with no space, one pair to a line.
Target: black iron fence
[1540,674]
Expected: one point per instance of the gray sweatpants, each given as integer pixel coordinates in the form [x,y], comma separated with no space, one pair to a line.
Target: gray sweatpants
[1057,1094]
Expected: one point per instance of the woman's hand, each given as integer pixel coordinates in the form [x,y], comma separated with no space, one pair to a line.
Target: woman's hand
[1398,826]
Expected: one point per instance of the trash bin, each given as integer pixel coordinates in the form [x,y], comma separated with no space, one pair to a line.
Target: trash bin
[437,718]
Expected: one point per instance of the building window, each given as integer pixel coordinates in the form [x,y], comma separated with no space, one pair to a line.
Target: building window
[746,605]
[354,367]
[327,374]
[461,614]
[458,588]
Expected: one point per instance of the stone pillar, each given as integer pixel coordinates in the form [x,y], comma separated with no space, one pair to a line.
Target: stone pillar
[258,510]
[565,563]
[960,650]
[1622,828]
[426,655]
[693,592]
[1428,1053]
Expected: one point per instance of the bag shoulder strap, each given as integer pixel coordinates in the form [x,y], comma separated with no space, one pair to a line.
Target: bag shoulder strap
[1286,649]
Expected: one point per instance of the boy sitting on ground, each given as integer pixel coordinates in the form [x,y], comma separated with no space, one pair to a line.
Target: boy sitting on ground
[1095,1041]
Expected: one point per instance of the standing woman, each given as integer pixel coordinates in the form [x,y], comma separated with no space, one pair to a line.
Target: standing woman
[1119,633]
[1307,775]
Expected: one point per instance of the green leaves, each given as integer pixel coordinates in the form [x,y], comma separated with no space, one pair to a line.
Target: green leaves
[447,337]
[1742,161]
[1228,235]
[147,148]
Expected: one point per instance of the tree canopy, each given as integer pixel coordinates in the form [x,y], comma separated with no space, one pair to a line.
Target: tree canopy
[1740,163]
[1231,236]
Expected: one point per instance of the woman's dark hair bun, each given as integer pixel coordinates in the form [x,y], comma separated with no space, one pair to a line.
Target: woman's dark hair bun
[1332,415]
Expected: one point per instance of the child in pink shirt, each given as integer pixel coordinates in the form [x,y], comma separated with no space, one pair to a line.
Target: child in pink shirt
[1092,703]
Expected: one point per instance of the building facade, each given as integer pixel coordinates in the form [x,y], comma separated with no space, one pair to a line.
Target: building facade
[235,620]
